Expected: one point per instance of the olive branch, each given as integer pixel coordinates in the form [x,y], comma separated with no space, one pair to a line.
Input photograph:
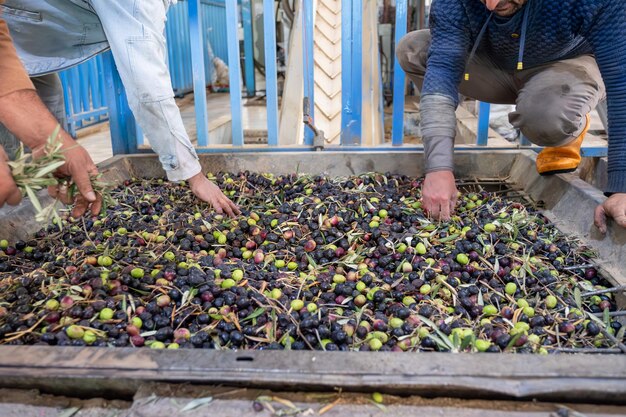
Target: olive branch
[33,175]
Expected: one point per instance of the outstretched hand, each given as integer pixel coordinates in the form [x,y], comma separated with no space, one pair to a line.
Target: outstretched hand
[207,191]
[614,207]
[439,195]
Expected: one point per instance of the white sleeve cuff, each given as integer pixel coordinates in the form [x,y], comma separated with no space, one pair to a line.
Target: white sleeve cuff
[188,164]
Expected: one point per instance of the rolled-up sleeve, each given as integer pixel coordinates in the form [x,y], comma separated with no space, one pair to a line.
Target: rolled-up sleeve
[13,76]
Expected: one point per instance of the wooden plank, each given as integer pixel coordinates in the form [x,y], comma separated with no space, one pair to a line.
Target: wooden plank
[564,377]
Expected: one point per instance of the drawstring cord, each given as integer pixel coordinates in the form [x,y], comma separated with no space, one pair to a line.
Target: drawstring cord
[522,45]
[478,39]
[520,60]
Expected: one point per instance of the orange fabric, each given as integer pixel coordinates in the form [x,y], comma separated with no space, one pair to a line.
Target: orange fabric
[13,76]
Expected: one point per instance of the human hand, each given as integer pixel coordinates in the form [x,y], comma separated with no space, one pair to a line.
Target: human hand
[207,191]
[9,193]
[81,168]
[614,207]
[439,194]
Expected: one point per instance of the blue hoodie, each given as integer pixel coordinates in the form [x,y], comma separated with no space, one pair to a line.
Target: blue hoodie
[554,30]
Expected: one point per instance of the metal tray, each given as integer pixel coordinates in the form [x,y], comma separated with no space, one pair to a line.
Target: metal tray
[569,202]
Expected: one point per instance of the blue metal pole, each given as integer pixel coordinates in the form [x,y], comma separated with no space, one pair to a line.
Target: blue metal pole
[248,47]
[74,77]
[271,78]
[346,71]
[94,90]
[121,120]
[483,123]
[69,114]
[397,129]
[357,73]
[308,64]
[83,80]
[234,71]
[199,76]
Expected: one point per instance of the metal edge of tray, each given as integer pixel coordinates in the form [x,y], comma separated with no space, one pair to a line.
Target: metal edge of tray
[570,203]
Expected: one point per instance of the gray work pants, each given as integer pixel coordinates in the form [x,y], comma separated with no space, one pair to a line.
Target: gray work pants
[50,91]
[551,100]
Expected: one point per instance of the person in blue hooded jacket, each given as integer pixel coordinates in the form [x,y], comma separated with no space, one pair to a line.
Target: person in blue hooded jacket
[554,59]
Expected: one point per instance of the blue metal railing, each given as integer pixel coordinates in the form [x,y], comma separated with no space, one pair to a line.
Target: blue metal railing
[85,101]
[210,21]
[84,85]
[352,36]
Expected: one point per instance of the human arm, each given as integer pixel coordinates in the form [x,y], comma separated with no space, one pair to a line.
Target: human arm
[189,169]
[25,115]
[605,32]
[439,99]
[134,31]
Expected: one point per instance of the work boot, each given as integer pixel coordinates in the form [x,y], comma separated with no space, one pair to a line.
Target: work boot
[561,159]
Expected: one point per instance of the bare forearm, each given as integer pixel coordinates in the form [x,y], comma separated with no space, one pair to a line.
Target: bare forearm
[27,117]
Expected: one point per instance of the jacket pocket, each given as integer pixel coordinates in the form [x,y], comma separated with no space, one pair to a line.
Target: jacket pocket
[20,13]
[151,80]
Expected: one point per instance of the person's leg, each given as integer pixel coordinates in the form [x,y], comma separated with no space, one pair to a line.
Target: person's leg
[555,99]
[50,91]
[135,32]
[553,110]
[486,83]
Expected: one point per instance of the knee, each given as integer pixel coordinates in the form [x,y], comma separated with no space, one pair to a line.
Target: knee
[412,51]
[545,125]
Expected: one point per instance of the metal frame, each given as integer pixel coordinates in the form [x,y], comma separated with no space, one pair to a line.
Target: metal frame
[271,75]
[92,371]
[351,76]
[397,132]
[351,80]
[197,64]
[84,95]
[308,64]
[124,129]
[234,71]
[248,46]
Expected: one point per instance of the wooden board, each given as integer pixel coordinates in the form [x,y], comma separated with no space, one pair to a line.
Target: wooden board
[557,378]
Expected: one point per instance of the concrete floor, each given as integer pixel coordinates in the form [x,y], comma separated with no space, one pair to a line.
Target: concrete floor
[162,400]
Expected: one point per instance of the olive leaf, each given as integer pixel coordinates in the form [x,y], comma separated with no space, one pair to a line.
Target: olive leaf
[197,403]
[69,412]
[444,339]
[578,298]
[256,313]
